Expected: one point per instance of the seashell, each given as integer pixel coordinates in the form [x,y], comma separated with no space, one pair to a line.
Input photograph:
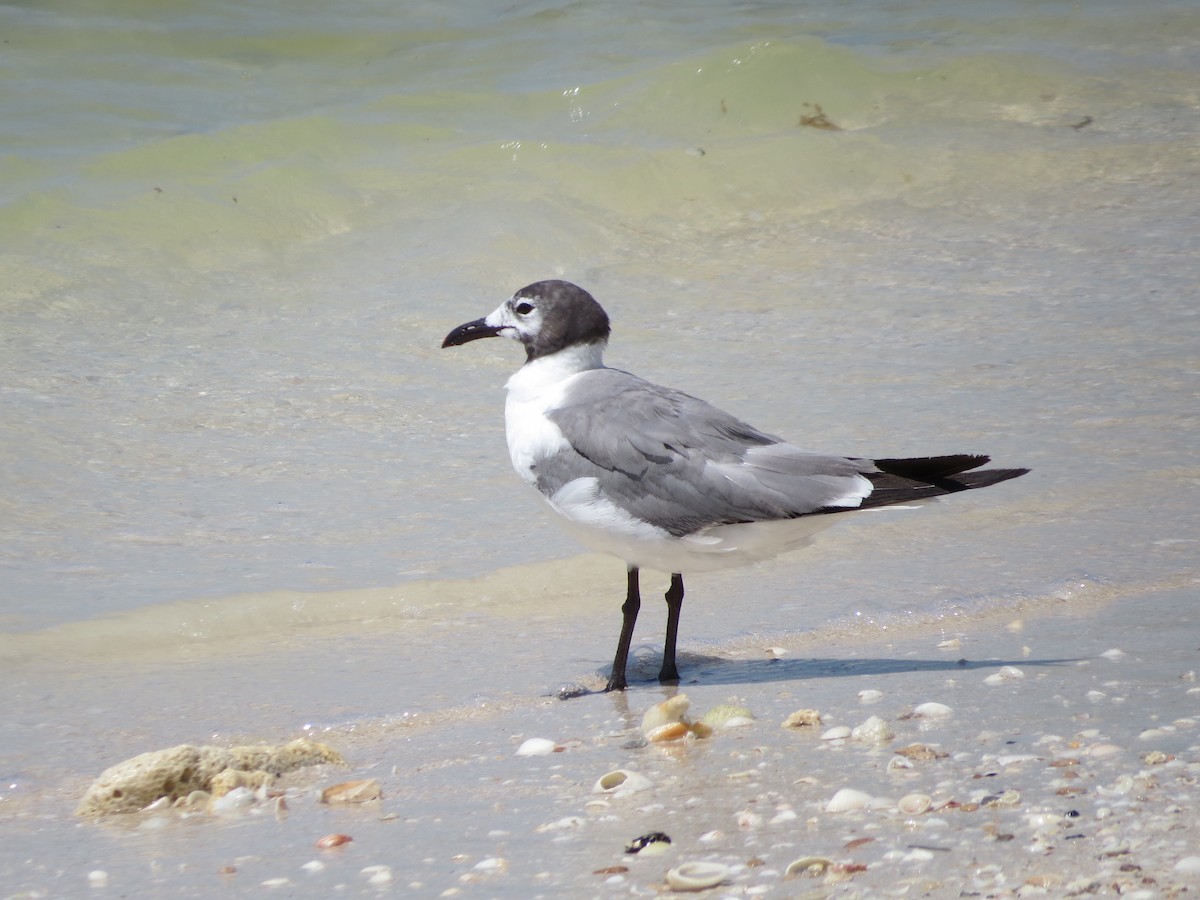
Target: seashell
[377,875]
[803,718]
[670,711]
[1156,758]
[899,762]
[836,733]
[870,696]
[848,799]
[748,820]
[333,840]
[1004,798]
[672,731]
[873,731]
[622,781]
[353,791]
[812,866]
[921,752]
[655,841]
[611,870]
[933,710]
[697,876]
[728,716]
[914,804]
[537,747]
[235,799]
[1005,675]
[1114,653]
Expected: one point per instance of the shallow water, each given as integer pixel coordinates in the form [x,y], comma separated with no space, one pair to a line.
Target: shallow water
[243,488]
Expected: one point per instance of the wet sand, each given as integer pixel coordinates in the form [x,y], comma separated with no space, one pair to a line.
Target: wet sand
[1066,766]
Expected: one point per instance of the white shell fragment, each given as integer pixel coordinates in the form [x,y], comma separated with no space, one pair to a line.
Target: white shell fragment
[622,781]
[848,799]
[1006,675]
[870,695]
[697,876]
[812,866]
[836,733]
[667,721]
[537,747]
[873,731]
[933,710]
[728,716]
[914,804]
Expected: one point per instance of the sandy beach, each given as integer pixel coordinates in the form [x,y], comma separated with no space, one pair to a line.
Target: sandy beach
[1056,743]
[246,498]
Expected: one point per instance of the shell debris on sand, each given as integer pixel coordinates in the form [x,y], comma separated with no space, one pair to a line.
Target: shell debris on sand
[697,876]
[361,791]
[667,721]
[622,781]
[178,772]
[803,718]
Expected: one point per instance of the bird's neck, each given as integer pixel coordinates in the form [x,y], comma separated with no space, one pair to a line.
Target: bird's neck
[539,374]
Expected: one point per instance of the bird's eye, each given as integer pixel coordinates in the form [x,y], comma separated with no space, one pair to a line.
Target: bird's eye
[523,309]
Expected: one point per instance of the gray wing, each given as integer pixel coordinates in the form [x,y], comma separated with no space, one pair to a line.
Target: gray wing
[682,464]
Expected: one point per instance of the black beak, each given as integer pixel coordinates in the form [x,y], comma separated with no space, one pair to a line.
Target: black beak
[472,331]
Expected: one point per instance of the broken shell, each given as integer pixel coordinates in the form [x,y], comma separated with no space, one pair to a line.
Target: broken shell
[333,840]
[622,781]
[836,733]
[914,804]
[728,716]
[812,866]
[921,752]
[352,791]
[697,876]
[847,799]
[672,731]
[803,718]
[668,712]
[870,695]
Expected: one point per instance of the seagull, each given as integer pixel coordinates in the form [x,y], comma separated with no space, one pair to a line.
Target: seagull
[664,480]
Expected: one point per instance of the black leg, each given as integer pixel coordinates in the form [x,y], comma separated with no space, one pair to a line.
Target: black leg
[629,614]
[674,597]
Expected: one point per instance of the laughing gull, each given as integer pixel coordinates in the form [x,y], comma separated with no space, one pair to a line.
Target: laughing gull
[664,480]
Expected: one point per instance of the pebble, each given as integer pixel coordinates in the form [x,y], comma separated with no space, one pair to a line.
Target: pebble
[97,878]
[869,696]
[1189,865]
[1114,653]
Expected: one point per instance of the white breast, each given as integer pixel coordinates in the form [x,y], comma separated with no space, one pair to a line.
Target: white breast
[537,388]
